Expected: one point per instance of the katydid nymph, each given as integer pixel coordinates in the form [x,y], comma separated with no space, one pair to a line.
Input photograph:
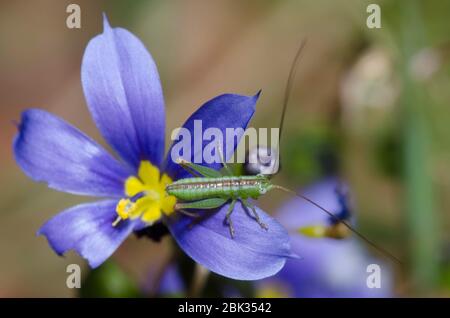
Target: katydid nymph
[209,189]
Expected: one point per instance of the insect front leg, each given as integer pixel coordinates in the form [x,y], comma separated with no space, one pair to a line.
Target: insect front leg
[187,213]
[251,207]
[228,217]
[201,204]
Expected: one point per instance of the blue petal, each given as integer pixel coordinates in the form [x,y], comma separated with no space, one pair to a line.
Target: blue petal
[224,111]
[253,253]
[171,282]
[331,268]
[124,94]
[48,149]
[87,229]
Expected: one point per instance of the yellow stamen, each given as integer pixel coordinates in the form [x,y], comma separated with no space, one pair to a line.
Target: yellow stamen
[124,208]
[154,201]
[336,231]
[314,231]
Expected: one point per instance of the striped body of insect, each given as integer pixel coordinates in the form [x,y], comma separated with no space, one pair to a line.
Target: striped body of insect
[211,189]
[227,187]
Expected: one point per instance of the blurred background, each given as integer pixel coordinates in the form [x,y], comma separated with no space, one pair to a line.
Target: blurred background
[371,105]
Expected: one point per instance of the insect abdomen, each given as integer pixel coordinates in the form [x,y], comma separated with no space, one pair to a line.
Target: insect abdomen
[192,189]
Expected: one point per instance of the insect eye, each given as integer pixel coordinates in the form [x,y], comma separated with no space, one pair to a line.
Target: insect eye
[261,160]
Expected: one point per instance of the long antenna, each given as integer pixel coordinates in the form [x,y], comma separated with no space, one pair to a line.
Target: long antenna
[287,93]
[289,84]
[359,234]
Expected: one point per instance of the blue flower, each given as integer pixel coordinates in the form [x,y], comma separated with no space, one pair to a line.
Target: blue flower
[124,95]
[171,283]
[329,267]
[165,282]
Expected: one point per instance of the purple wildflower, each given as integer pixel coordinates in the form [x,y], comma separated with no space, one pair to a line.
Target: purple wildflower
[123,91]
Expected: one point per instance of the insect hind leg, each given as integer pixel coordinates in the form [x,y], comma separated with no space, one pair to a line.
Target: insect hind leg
[228,218]
[187,213]
[251,207]
[206,204]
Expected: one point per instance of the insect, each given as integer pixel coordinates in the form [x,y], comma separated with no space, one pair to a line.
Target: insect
[210,189]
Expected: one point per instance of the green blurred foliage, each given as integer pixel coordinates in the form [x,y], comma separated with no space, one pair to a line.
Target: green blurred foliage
[109,280]
[310,154]
[388,148]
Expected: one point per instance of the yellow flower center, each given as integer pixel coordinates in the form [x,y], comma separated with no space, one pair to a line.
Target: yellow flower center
[146,196]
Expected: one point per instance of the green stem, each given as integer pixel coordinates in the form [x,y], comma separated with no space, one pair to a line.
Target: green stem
[420,207]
